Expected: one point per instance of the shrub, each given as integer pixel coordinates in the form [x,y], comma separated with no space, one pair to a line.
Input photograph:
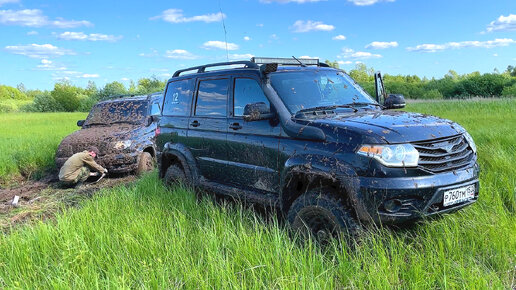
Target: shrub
[7,92]
[509,91]
[44,102]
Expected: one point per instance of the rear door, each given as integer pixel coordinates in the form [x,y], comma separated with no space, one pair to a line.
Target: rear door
[207,128]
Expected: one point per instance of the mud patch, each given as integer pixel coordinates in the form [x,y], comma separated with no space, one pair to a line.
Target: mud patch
[43,199]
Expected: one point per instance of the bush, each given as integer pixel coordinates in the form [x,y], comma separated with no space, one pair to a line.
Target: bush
[509,91]
[7,92]
[68,96]
[44,102]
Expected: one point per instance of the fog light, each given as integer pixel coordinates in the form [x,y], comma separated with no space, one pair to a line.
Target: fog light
[392,205]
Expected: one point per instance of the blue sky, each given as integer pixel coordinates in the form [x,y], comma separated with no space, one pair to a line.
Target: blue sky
[44,41]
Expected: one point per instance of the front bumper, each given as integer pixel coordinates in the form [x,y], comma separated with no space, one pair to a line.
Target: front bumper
[417,197]
[114,163]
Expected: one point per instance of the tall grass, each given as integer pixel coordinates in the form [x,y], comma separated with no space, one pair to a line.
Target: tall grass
[146,235]
[28,142]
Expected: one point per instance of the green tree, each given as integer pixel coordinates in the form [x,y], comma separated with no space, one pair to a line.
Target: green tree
[68,95]
[150,85]
[112,89]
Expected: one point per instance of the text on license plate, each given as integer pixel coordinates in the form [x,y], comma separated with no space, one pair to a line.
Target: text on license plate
[458,195]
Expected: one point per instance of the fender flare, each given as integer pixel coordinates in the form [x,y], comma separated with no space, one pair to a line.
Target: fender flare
[325,167]
[183,154]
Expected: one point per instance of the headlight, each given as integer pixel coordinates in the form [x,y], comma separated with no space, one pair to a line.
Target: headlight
[122,144]
[401,155]
[470,141]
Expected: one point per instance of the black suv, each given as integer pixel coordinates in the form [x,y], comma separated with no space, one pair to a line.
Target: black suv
[124,131]
[306,138]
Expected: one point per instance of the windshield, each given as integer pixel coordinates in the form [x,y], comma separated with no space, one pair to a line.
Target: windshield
[302,90]
[132,112]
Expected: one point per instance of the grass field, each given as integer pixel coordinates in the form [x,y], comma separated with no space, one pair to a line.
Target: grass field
[145,235]
[28,141]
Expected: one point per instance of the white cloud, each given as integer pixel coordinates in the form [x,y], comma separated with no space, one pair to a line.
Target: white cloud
[153,53]
[35,18]
[339,37]
[309,25]
[247,38]
[46,64]
[368,2]
[348,53]
[215,44]
[495,54]
[308,57]
[38,50]
[342,62]
[463,44]
[259,24]
[68,35]
[125,79]
[180,54]
[381,45]
[236,56]
[176,16]
[33,32]
[288,1]
[88,76]
[503,23]
[2,2]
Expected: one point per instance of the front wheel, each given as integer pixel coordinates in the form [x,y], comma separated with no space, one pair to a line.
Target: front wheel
[145,163]
[323,217]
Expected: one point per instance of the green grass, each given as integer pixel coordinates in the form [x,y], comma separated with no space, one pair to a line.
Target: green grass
[28,141]
[148,236]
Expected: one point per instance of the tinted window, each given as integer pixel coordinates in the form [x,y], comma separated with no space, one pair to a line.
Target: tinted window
[247,91]
[117,112]
[212,98]
[178,98]
[155,108]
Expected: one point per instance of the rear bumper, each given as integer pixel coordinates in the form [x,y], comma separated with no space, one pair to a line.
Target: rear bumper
[417,197]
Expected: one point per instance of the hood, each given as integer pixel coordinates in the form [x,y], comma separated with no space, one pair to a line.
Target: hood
[98,136]
[394,126]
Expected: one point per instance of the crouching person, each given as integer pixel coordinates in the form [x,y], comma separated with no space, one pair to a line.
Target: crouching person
[79,167]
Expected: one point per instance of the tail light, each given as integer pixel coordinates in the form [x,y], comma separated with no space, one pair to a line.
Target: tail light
[156,133]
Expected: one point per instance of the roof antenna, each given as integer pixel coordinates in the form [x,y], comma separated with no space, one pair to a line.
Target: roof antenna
[302,64]
[225,32]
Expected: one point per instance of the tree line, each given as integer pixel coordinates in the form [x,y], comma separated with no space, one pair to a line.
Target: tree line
[66,97]
[450,86]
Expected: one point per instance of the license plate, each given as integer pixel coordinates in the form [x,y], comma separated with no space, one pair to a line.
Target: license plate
[458,195]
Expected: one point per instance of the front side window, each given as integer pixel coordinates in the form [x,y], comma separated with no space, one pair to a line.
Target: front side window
[247,91]
[302,90]
[178,98]
[212,98]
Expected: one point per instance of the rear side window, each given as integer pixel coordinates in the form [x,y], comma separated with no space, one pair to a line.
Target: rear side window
[212,98]
[178,98]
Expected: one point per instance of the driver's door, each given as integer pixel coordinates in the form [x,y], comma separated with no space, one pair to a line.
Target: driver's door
[252,146]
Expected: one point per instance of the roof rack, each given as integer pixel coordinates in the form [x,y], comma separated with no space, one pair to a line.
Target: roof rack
[130,96]
[202,68]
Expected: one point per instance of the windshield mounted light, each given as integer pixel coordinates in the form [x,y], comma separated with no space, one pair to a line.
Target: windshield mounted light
[285,61]
[400,155]
[470,141]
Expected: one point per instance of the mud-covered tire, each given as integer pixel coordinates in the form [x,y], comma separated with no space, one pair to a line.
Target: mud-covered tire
[145,163]
[175,175]
[322,216]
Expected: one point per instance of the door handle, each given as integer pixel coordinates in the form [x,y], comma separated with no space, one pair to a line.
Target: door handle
[195,123]
[235,126]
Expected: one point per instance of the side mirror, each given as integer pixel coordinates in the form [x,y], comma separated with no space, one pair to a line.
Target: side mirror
[257,111]
[394,101]
[80,123]
[380,89]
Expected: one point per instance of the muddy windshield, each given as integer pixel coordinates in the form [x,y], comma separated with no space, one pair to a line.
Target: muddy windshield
[318,89]
[129,112]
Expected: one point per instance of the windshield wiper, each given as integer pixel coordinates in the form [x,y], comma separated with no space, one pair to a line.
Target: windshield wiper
[121,122]
[365,104]
[320,108]
[96,124]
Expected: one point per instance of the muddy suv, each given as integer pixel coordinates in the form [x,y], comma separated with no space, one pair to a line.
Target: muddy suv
[307,139]
[124,131]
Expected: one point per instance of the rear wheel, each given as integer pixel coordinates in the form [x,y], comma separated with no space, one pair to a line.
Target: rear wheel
[175,174]
[145,164]
[319,215]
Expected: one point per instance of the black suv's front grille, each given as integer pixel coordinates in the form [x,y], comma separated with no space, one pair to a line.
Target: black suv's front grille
[444,154]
